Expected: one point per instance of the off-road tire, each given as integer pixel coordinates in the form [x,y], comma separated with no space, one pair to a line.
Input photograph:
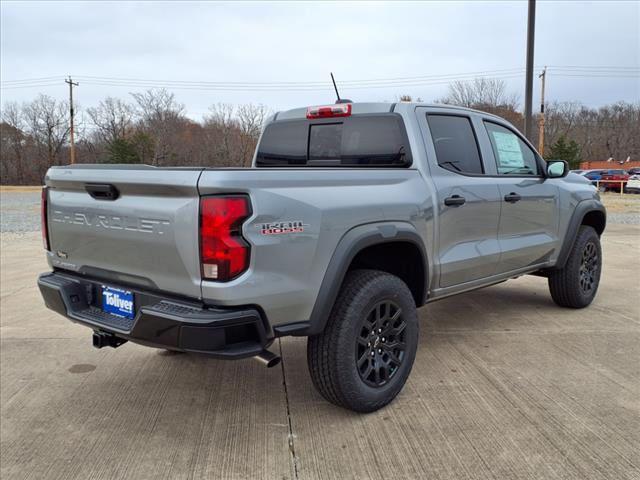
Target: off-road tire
[567,285]
[333,356]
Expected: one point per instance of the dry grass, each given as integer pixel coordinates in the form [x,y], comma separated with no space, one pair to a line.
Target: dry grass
[20,188]
[616,203]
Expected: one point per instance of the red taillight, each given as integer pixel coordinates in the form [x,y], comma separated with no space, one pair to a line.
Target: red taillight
[329,111]
[224,254]
[43,219]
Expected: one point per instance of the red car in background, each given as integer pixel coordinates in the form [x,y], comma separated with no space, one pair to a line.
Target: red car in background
[611,179]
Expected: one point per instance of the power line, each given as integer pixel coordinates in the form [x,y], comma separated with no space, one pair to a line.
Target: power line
[594,68]
[221,86]
[310,83]
[325,87]
[31,86]
[585,75]
[32,80]
[283,83]
[362,84]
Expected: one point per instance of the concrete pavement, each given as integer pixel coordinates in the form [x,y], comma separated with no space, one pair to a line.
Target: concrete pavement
[506,385]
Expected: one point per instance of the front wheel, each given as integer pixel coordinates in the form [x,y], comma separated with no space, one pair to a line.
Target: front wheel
[576,284]
[363,357]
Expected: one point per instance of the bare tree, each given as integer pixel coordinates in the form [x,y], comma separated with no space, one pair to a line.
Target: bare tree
[159,114]
[560,119]
[250,121]
[407,98]
[113,119]
[610,131]
[13,140]
[222,123]
[621,123]
[487,92]
[47,121]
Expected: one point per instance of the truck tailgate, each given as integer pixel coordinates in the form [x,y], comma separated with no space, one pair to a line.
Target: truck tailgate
[146,237]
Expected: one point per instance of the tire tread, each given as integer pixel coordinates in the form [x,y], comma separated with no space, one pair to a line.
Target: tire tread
[564,283]
[323,354]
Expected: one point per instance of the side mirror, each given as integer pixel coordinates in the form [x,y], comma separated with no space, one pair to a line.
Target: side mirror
[557,168]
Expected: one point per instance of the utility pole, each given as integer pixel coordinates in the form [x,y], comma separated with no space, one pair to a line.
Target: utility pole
[73,146]
[528,90]
[542,77]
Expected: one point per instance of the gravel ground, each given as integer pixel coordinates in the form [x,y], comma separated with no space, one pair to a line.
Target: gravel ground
[624,218]
[624,209]
[20,211]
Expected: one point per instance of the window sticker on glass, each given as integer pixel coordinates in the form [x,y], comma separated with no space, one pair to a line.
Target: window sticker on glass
[509,152]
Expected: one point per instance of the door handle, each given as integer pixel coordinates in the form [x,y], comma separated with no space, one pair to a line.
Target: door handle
[512,197]
[454,201]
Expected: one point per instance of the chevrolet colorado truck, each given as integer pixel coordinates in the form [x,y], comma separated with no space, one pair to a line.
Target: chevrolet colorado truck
[351,217]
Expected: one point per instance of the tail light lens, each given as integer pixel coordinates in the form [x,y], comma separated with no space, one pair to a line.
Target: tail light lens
[224,254]
[329,111]
[43,219]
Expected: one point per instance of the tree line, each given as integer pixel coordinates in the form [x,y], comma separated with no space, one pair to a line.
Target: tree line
[573,131]
[151,127]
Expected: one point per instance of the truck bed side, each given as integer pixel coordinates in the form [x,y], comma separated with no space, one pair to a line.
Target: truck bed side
[287,269]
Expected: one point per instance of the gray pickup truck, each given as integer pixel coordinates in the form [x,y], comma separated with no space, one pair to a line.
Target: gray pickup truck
[352,216]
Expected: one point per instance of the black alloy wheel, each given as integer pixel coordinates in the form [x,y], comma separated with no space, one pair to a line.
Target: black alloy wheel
[380,346]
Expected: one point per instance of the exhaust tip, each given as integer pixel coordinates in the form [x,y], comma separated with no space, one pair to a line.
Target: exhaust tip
[273,362]
[268,359]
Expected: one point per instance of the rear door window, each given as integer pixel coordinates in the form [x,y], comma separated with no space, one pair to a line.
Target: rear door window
[513,156]
[371,140]
[455,143]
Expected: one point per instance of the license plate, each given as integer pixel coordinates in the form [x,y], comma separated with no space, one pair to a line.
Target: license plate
[117,302]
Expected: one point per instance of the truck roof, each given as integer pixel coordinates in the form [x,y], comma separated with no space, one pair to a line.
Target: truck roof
[377,107]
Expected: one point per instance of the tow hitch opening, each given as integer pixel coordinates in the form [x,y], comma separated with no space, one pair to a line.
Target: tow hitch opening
[104,339]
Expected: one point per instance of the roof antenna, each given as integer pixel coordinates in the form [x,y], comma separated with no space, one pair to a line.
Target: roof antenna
[339,100]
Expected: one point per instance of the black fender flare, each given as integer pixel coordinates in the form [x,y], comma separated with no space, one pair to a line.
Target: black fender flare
[582,209]
[354,241]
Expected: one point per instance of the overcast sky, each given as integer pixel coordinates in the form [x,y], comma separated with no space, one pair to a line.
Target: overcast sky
[303,42]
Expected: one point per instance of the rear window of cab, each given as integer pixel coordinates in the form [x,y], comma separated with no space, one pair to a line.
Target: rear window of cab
[366,140]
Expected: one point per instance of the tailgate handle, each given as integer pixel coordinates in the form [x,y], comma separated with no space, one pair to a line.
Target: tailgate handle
[102,191]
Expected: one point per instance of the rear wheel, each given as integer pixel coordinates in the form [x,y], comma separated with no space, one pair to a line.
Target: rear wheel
[362,359]
[576,284]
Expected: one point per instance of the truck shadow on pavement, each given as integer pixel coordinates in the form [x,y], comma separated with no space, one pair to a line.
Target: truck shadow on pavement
[235,385]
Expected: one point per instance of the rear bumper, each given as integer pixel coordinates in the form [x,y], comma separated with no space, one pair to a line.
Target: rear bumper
[160,321]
